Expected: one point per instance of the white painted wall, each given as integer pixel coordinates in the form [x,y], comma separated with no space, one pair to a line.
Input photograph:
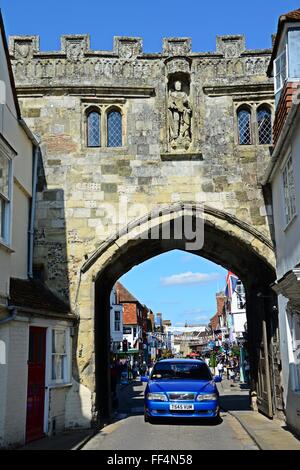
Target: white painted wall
[287,258]
[14,393]
[116,336]
[287,238]
[15,264]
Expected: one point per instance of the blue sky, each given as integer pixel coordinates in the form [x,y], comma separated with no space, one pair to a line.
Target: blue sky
[150,19]
[180,285]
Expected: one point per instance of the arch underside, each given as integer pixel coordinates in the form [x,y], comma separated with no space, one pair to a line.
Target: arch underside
[227,242]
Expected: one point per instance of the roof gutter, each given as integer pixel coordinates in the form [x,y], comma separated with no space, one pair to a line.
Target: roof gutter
[36,149]
[28,132]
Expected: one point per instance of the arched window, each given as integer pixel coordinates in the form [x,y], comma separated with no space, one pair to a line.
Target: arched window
[93,129]
[244,124]
[264,122]
[114,129]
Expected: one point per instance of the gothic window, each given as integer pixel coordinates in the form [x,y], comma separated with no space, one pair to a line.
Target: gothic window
[93,129]
[264,122]
[114,129]
[244,126]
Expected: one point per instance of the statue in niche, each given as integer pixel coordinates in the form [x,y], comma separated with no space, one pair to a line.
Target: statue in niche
[179,110]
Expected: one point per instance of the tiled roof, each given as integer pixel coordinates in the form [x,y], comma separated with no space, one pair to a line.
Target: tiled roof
[292,16]
[123,295]
[33,294]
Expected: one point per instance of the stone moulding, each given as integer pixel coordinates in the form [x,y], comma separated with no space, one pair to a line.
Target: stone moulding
[259,90]
[181,157]
[120,92]
[173,209]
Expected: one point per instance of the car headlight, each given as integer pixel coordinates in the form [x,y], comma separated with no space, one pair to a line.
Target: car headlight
[157,397]
[207,397]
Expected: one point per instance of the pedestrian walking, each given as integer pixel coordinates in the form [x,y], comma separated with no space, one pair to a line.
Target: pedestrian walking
[134,370]
[220,368]
[247,371]
[143,368]
[213,363]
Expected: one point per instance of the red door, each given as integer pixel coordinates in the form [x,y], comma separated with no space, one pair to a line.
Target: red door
[36,384]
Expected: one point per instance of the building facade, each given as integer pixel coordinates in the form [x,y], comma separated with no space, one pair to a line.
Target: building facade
[133,319]
[116,321]
[36,327]
[283,177]
[126,134]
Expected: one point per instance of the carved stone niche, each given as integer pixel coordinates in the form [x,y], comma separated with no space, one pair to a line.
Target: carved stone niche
[23,47]
[231,46]
[75,45]
[128,47]
[178,65]
[179,106]
[177,46]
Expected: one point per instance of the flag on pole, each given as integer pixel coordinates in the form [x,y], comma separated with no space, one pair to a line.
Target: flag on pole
[231,282]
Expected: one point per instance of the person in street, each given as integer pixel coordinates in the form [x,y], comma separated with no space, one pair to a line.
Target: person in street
[220,368]
[134,370]
[113,383]
[143,368]
[129,370]
[213,363]
[247,371]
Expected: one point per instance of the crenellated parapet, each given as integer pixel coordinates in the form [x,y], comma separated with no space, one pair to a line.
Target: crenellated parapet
[127,61]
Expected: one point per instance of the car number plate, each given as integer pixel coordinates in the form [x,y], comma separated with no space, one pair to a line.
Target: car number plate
[181,407]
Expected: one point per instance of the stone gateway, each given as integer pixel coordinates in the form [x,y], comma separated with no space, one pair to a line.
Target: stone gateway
[161,130]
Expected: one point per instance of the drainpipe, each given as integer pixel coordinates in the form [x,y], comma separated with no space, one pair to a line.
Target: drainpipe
[32,213]
[36,144]
[11,316]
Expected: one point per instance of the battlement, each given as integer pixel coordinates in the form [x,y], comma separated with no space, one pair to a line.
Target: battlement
[77,46]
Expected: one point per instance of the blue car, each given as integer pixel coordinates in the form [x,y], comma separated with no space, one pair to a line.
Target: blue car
[181,388]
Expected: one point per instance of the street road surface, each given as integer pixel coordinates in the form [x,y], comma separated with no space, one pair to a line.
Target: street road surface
[130,432]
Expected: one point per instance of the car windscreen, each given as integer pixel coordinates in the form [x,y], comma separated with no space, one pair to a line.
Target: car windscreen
[177,370]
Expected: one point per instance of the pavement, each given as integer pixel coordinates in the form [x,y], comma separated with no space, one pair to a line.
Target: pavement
[69,440]
[268,434]
[240,428]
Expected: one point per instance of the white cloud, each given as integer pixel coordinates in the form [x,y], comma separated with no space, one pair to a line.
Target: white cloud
[187,258]
[189,278]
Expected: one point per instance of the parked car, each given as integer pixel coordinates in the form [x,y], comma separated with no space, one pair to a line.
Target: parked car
[181,388]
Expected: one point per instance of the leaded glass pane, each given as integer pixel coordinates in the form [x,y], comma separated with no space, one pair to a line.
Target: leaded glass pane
[93,129]
[244,122]
[264,121]
[114,129]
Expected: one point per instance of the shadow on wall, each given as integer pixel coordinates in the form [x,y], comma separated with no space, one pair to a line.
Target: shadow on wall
[292,406]
[51,265]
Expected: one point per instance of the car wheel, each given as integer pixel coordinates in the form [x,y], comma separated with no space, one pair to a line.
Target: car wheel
[147,418]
